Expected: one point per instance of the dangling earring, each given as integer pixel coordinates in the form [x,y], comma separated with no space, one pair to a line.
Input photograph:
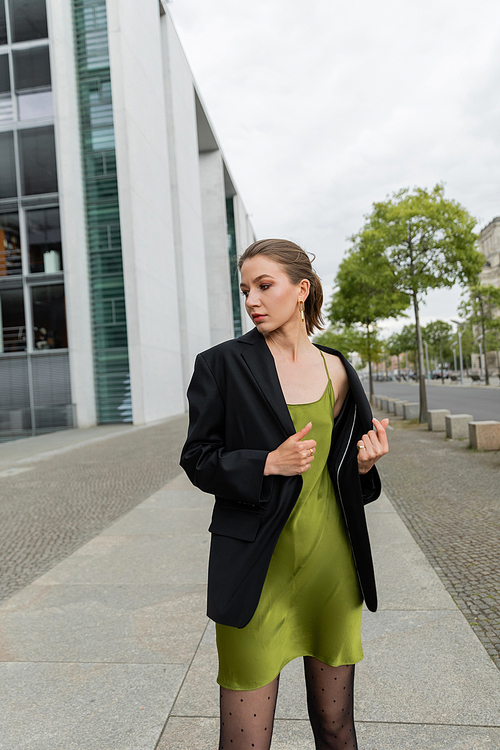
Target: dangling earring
[301,308]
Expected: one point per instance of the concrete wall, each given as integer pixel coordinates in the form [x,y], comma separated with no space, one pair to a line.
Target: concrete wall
[186,199]
[145,209]
[72,210]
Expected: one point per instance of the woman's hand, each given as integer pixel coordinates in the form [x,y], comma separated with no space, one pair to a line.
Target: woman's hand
[294,456]
[372,446]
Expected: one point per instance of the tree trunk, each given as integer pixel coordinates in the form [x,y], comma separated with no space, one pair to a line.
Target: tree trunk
[486,374]
[421,379]
[441,358]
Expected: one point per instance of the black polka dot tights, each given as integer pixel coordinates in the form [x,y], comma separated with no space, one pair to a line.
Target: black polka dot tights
[247,716]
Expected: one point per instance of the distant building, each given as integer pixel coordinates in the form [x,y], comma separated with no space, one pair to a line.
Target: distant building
[120,222]
[489,244]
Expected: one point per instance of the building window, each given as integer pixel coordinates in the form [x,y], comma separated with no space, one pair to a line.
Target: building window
[3,25]
[6,111]
[10,245]
[49,317]
[28,20]
[12,320]
[8,188]
[38,161]
[32,82]
[44,240]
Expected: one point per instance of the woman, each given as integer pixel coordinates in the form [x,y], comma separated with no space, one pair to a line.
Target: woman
[280,432]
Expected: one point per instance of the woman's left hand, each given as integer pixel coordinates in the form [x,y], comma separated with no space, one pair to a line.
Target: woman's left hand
[372,446]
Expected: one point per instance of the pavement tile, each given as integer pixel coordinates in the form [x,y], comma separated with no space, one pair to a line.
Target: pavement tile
[85,706]
[130,559]
[178,499]
[86,623]
[425,667]
[404,577]
[161,521]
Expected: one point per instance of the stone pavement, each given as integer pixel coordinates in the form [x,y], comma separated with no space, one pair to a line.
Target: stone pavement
[57,491]
[111,650]
[449,497]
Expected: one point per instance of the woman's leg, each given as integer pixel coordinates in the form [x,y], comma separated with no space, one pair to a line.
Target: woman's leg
[330,699]
[247,717]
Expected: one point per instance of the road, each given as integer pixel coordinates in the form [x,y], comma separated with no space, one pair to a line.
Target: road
[482,403]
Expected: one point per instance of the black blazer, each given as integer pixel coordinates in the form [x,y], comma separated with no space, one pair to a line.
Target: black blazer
[237,415]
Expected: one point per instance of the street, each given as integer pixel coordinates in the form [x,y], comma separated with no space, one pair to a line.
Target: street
[482,403]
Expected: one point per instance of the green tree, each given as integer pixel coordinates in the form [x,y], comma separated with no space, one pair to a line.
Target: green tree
[429,242]
[353,339]
[403,342]
[438,334]
[365,294]
[481,306]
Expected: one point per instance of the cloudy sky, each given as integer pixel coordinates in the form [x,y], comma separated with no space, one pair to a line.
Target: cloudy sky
[323,107]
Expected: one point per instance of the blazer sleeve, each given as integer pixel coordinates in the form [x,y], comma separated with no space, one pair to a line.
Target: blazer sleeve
[236,475]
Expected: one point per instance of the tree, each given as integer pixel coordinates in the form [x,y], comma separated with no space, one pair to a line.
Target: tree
[353,339]
[402,342]
[481,306]
[365,294]
[437,333]
[429,242]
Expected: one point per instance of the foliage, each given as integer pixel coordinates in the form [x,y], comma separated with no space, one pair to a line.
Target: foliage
[429,243]
[438,335]
[352,339]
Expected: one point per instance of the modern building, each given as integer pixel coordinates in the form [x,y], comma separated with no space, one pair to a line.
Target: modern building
[120,223]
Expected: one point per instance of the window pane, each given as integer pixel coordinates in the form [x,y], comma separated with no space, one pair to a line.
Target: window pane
[35,105]
[44,239]
[8,187]
[3,27]
[10,245]
[49,317]
[32,68]
[28,20]
[12,322]
[4,74]
[38,161]
[6,112]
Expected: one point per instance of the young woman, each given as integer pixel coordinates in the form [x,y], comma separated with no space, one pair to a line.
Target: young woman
[281,433]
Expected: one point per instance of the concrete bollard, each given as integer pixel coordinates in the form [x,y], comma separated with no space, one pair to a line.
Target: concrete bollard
[411,410]
[383,403]
[399,408]
[485,436]
[457,425]
[377,401]
[390,402]
[436,419]
[394,405]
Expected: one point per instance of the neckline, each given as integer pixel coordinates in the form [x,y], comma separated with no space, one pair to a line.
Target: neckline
[311,403]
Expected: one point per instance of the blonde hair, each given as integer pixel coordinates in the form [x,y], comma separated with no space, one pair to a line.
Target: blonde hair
[297,266]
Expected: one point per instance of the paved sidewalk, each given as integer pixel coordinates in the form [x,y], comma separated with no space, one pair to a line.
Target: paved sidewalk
[99,651]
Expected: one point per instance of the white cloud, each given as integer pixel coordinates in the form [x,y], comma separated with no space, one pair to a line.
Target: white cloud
[323,108]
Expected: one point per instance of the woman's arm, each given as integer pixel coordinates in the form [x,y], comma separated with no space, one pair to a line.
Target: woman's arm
[235,475]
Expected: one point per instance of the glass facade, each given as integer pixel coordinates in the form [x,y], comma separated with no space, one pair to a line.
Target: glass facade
[32,309]
[233,267]
[109,324]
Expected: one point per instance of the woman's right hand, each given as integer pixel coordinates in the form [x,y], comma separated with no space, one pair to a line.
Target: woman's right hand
[292,457]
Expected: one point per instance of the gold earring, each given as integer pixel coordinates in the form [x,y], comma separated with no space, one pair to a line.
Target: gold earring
[301,308]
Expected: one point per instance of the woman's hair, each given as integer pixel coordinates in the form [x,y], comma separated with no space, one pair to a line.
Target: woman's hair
[297,266]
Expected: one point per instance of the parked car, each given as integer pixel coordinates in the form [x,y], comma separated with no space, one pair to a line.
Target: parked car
[436,374]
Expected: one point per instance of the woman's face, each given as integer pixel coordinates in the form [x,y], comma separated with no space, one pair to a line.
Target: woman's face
[271,300]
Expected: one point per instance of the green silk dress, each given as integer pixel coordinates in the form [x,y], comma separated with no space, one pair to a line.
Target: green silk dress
[311,602]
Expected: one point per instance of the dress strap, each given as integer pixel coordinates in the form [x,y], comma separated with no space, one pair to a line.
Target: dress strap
[326,367]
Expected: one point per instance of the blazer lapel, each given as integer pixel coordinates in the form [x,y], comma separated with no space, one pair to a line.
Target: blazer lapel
[260,362]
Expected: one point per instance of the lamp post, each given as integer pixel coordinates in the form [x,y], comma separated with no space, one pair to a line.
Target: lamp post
[478,341]
[459,333]
[454,356]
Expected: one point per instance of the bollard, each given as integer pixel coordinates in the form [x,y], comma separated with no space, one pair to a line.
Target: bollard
[395,403]
[457,425]
[411,410]
[485,436]
[399,408]
[435,419]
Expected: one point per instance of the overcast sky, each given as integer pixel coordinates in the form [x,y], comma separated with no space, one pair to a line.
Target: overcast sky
[323,107]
